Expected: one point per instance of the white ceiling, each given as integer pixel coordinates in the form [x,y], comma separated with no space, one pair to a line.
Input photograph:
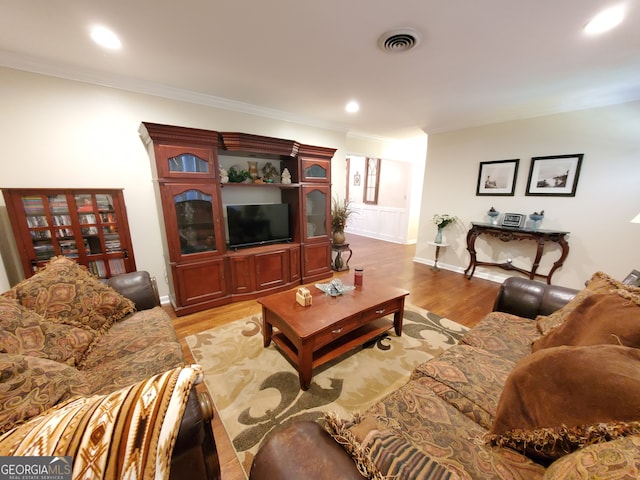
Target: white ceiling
[479,61]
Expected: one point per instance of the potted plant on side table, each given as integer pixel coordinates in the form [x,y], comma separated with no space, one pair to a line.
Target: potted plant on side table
[340,212]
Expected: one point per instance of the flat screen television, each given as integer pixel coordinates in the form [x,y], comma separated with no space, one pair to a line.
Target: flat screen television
[249,225]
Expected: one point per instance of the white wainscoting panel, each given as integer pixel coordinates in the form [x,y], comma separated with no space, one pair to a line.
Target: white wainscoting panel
[384,223]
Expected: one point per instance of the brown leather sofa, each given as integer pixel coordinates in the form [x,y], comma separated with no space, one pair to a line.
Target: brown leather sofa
[304,450]
[194,454]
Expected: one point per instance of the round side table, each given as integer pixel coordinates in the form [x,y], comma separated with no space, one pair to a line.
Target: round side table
[438,246]
[338,263]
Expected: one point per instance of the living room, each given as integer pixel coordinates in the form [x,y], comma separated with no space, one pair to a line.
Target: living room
[65,128]
[74,130]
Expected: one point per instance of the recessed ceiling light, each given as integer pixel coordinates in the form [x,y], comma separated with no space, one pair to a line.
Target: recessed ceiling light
[352,107]
[605,20]
[105,38]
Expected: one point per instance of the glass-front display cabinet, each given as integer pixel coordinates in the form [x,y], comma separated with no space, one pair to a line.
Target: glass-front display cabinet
[191,217]
[316,212]
[316,246]
[87,225]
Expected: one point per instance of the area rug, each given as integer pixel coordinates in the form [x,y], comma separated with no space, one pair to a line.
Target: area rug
[256,390]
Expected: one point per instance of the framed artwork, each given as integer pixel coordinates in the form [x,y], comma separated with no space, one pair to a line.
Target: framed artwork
[555,176]
[497,178]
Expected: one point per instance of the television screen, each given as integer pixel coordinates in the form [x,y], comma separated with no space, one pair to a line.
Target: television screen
[257,224]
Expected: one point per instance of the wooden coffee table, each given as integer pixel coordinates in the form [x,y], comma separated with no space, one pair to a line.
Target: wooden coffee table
[331,326]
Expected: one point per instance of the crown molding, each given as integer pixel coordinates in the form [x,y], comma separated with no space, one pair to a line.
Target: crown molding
[67,72]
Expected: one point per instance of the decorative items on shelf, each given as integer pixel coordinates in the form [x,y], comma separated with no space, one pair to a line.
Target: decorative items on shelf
[340,212]
[286,176]
[493,215]
[224,176]
[238,176]
[536,218]
[441,221]
[253,170]
[269,172]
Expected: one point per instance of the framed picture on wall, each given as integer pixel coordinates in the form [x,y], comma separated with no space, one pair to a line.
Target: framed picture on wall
[555,176]
[497,177]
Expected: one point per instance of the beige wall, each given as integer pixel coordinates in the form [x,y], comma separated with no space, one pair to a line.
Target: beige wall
[61,133]
[607,198]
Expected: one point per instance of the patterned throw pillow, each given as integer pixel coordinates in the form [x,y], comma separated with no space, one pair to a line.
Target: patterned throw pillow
[66,292]
[548,444]
[548,323]
[31,385]
[600,282]
[613,460]
[23,331]
[129,433]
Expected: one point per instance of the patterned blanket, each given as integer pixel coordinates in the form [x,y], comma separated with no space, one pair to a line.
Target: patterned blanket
[129,433]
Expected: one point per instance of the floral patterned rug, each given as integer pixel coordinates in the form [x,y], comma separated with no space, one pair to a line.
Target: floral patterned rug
[255,389]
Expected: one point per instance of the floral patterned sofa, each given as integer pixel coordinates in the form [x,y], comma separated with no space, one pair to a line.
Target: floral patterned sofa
[544,387]
[97,375]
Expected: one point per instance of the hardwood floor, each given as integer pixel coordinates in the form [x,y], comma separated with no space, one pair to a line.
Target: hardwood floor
[445,293]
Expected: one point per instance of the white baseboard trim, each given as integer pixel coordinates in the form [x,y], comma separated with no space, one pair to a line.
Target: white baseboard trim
[493,277]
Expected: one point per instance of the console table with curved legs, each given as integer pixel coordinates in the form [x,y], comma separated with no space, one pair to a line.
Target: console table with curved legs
[509,234]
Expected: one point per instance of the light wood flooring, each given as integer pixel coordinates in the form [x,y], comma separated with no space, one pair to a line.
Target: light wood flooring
[444,292]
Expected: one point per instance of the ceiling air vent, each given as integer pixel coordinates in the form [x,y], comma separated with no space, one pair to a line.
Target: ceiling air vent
[399,40]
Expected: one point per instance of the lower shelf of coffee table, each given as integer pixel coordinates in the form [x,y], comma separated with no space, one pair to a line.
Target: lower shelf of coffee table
[339,346]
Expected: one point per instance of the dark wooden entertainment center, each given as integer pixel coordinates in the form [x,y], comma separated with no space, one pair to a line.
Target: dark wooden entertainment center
[203,271]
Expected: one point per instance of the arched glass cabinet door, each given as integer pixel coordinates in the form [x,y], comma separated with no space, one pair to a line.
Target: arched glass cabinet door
[315,170]
[186,162]
[316,208]
[193,229]
[195,221]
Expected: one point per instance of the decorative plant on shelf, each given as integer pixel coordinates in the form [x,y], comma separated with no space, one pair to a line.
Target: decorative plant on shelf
[340,213]
[236,176]
[441,221]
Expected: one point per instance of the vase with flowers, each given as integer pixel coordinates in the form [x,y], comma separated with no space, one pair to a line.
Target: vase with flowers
[340,212]
[441,221]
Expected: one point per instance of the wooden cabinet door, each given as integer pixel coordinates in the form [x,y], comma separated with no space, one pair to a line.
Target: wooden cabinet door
[182,162]
[192,221]
[316,261]
[315,170]
[242,274]
[199,283]
[316,209]
[294,263]
[272,269]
